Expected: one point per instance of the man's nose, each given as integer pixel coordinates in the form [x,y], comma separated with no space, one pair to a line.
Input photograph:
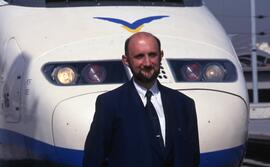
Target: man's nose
[147,60]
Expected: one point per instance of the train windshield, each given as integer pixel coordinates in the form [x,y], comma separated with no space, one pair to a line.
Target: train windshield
[70,3]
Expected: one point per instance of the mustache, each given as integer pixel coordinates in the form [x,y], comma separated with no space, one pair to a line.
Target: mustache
[148,67]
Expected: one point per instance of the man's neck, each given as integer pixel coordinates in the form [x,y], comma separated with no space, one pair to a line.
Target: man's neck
[147,85]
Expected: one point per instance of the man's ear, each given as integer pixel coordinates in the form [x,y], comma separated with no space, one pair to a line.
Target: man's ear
[125,60]
[161,55]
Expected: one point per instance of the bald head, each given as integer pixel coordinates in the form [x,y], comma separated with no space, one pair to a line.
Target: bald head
[140,35]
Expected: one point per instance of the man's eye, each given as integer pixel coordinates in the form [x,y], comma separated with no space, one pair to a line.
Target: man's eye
[153,54]
[140,56]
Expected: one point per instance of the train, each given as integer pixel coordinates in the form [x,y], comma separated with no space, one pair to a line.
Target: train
[57,56]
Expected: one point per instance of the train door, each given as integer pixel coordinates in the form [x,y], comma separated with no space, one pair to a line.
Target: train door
[12,67]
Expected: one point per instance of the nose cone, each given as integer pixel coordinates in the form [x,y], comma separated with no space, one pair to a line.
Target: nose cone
[71,123]
[72,119]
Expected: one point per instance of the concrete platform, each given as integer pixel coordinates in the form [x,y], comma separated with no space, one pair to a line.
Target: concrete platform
[259,129]
[260,111]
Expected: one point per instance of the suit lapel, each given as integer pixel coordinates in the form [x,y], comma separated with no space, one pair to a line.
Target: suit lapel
[136,100]
[169,118]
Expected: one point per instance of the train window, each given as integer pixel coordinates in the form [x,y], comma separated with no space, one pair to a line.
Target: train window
[50,3]
[71,3]
[85,73]
[203,70]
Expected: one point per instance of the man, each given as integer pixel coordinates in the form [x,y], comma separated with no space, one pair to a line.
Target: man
[132,130]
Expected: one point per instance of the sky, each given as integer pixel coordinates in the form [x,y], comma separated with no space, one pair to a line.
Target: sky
[235,16]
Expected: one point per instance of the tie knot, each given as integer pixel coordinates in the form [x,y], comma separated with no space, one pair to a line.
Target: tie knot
[148,95]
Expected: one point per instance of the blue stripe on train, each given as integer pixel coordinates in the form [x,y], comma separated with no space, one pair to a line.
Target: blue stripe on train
[223,158]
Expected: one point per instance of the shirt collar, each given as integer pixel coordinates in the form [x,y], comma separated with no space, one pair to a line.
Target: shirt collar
[142,91]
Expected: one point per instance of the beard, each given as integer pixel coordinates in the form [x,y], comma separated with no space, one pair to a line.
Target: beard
[144,79]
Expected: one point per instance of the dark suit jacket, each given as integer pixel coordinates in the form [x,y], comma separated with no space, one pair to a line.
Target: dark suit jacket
[121,135]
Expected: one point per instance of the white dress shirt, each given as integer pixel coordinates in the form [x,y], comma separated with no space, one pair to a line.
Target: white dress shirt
[156,101]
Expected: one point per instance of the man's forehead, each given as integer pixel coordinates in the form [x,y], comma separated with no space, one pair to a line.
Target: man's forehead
[138,37]
[141,35]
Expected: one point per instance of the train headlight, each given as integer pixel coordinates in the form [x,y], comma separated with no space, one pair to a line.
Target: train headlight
[64,75]
[85,73]
[93,73]
[214,73]
[203,70]
[192,72]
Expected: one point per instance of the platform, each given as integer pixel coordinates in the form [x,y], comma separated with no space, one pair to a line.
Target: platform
[259,129]
[260,111]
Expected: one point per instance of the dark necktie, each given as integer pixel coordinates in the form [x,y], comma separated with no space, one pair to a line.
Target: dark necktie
[153,117]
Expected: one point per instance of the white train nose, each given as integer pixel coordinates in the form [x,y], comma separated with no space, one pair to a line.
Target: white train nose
[222,119]
[72,119]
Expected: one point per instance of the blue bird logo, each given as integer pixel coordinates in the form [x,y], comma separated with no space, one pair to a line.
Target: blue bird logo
[136,26]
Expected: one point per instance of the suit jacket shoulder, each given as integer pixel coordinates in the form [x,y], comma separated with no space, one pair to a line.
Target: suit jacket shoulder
[172,94]
[115,93]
